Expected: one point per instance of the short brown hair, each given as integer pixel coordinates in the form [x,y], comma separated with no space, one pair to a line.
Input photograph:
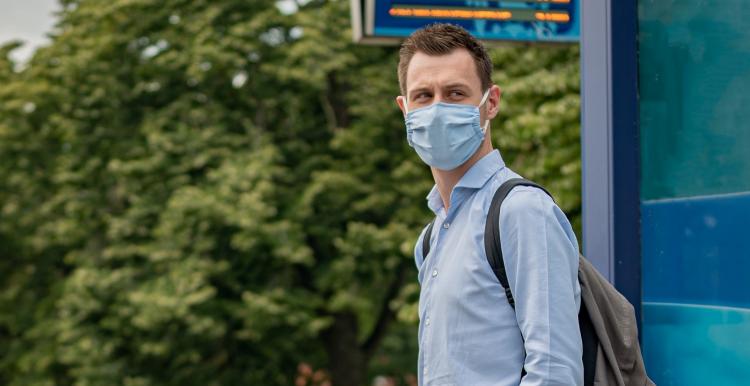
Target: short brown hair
[440,39]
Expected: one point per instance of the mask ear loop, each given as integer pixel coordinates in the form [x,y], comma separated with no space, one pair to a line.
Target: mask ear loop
[487,122]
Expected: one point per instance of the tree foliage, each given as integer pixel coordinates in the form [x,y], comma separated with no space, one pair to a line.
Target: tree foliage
[213,192]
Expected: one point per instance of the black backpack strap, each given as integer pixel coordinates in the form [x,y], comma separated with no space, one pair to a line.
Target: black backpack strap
[426,240]
[590,343]
[492,232]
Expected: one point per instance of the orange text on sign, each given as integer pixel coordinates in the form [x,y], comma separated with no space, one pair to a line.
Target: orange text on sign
[557,17]
[451,13]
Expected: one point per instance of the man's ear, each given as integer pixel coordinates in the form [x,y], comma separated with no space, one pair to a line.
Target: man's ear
[401,102]
[493,101]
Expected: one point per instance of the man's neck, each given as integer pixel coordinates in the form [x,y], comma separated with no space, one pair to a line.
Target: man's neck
[447,179]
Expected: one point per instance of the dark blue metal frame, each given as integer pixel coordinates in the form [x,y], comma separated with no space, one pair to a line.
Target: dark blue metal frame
[610,142]
[626,146]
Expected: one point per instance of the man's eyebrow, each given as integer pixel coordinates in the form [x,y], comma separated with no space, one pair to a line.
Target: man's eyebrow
[456,85]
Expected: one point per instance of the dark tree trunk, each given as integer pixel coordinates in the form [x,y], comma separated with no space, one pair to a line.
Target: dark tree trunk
[347,361]
[348,358]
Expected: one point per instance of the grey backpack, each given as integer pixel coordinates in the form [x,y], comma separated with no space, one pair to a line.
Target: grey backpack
[609,331]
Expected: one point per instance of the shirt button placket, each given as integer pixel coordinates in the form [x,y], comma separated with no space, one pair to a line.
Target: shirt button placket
[427,320]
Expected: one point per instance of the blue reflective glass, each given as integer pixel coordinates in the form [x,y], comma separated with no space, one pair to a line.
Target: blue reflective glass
[694,69]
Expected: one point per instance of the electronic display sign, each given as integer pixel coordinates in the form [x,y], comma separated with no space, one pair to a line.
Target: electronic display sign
[388,21]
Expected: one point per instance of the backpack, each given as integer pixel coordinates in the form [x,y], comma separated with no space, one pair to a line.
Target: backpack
[609,332]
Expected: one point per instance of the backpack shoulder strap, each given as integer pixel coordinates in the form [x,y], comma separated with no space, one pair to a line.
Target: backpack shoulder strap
[426,240]
[492,232]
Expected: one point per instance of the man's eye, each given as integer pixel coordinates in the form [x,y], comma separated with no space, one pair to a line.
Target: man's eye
[421,96]
[456,94]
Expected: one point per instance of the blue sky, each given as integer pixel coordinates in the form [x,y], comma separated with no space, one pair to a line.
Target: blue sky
[26,20]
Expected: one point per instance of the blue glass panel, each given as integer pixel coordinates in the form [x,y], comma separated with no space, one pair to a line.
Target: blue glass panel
[696,262]
[693,95]
[694,77]
[696,345]
[697,250]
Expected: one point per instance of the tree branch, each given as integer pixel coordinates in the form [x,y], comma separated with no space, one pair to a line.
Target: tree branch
[328,111]
[386,315]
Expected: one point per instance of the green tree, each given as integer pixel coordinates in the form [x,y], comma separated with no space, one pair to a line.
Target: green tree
[213,192]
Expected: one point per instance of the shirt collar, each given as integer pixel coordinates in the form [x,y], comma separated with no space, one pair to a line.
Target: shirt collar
[474,178]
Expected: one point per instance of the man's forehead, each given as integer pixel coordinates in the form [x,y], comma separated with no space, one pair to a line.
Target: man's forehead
[458,66]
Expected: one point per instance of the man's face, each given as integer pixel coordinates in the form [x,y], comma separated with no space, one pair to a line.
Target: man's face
[450,78]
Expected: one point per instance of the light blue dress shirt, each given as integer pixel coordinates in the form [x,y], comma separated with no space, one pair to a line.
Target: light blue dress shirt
[468,333]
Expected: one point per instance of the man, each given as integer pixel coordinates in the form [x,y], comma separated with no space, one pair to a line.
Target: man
[469,335]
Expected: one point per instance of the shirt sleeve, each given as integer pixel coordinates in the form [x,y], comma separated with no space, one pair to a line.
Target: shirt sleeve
[541,259]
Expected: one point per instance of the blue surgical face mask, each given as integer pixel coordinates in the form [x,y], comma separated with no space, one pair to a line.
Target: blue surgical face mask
[445,135]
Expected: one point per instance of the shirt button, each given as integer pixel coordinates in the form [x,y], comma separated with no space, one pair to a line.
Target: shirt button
[427,322]
[446,225]
[434,273]
[424,371]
